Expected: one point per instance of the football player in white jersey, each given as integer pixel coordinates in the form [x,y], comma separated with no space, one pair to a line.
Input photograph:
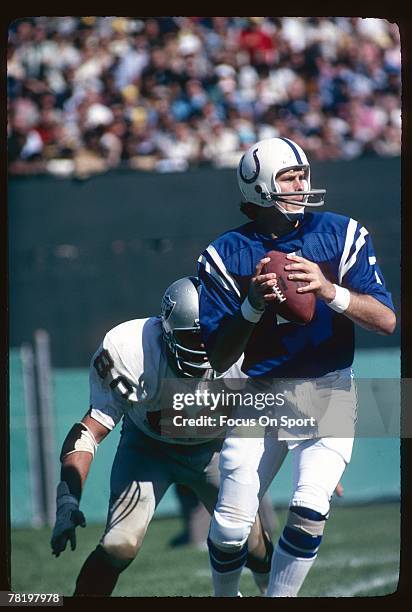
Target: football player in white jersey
[334,256]
[127,376]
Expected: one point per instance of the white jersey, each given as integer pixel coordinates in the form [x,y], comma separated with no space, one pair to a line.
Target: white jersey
[127,374]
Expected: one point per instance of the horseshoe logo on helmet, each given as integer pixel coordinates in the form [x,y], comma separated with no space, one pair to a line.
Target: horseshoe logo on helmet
[256,172]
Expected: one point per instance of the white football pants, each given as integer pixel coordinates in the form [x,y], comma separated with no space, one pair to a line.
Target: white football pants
[248,466]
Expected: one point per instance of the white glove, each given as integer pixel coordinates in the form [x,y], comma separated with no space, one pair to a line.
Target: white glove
[68,517]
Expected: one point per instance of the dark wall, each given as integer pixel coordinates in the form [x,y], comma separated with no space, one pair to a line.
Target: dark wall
[85,256]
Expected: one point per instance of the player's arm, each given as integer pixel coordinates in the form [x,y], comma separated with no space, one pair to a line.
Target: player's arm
[363,309]
[370,314]
[75,464]
[234,332]
[76,457]
[231,341]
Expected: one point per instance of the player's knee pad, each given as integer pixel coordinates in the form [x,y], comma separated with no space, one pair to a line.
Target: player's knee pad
[311,495]
[226,534]
[121,546]
[303,532]
[130,514]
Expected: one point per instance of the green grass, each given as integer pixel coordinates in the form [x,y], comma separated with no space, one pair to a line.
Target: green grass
[359,557]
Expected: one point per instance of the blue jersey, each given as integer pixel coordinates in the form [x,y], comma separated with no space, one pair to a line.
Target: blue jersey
[344,252]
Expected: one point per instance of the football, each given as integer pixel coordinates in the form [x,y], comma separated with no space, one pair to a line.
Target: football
[292,306]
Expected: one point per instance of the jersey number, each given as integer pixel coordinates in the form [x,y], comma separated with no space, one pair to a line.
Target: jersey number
[103,364]
[123,386]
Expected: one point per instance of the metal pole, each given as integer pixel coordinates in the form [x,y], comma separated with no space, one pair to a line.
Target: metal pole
[47,422]
[33,435]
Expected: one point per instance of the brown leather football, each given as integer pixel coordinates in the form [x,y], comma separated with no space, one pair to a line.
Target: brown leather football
[292,306]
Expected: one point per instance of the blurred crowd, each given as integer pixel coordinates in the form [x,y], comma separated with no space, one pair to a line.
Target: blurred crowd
[86,94]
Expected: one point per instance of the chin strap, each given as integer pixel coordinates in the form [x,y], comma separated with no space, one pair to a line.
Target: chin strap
[291,215]
[282,223]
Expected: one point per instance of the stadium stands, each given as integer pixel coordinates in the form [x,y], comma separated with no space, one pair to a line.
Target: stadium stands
[86,94]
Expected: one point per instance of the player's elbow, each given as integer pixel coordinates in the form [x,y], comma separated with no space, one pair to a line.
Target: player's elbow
[388,323]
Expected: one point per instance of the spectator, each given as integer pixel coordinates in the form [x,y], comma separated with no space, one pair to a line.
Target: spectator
[91,157]
[146,85]
[221,145]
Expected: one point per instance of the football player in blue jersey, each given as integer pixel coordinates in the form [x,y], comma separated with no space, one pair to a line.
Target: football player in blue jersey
[334,255]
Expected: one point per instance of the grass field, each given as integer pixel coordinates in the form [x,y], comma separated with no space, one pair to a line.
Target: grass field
[359,557]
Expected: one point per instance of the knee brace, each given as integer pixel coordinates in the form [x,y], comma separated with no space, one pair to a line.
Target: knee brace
[311,496]
[303,532]
[228,535]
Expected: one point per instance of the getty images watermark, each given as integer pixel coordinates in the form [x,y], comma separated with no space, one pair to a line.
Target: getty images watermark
[229,399]
[335,405]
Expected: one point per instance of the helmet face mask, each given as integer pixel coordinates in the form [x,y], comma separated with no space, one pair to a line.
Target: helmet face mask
[181,329]
[260,166]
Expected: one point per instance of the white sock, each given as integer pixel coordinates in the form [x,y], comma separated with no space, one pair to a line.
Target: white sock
[226,584]
[287,574]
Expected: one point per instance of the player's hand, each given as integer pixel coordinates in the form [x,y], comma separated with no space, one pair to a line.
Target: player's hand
[301,269]
[68,517]
[260,288]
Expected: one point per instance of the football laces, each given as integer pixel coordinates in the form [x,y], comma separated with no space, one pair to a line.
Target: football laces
[279,295]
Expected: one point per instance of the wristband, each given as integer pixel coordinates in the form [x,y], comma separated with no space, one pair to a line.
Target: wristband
[250,313]
[341,300]
[64,496]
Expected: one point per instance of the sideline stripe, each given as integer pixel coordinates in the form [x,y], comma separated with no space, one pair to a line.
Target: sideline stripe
[349,561]
[366,585]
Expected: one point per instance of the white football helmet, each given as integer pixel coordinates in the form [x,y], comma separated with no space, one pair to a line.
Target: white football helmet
[181,329]
[260,165]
